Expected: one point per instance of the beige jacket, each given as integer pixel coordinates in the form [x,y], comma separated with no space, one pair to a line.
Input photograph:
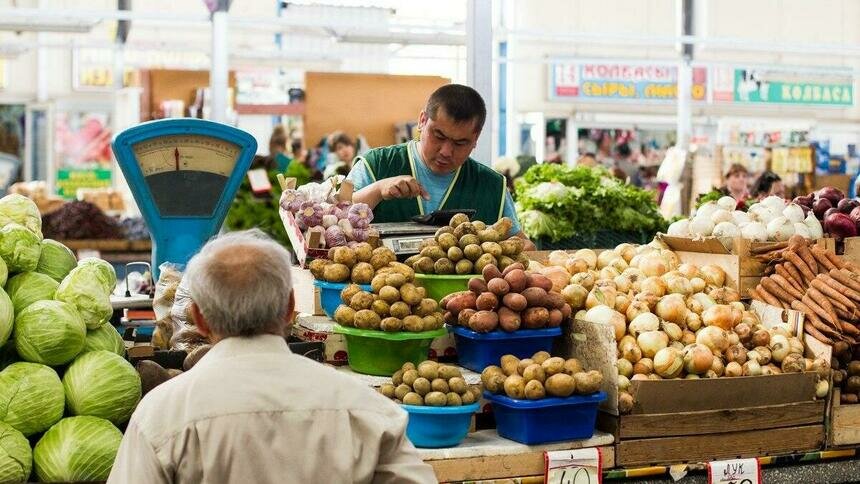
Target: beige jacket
[251,412]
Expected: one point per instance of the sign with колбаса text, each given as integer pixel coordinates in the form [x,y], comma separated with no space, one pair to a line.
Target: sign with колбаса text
[777,86]
[606,81]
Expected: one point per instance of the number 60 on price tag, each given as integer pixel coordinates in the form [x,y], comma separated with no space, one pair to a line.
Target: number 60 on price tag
[580,466]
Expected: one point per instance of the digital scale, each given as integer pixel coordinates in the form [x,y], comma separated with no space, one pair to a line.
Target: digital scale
[183,174]
[404,238]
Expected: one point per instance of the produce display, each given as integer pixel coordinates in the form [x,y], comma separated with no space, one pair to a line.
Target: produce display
[839,215]
[464,247]
[57,309]
[540,376]
[396,304]
[508,300]
[80,220]
[431,384]
[357,264]
[556,202]
[770,219]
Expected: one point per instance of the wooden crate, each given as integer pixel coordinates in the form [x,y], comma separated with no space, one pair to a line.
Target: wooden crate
[691,421]
[843,427]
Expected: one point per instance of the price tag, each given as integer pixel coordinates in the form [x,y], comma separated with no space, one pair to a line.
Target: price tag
[580,466]
[736,471]
[259,181]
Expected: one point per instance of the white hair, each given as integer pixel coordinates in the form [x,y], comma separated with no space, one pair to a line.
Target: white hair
[241,283]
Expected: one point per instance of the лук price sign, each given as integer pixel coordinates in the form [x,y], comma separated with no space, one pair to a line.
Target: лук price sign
[580,466]
[736,471]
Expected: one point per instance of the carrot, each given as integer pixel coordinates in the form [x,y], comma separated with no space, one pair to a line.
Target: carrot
[795,274]
[787,285]
[825,288]
[845,315]
[754,294]
[761,249]
[804,253]
[812,331]
[835,260]
[849,329]
[783,273]
[795,259]
[775,289]
[821,312]
[822,301]
[821,257]
[847,278]
[842,288]
[768,297]
[814,320]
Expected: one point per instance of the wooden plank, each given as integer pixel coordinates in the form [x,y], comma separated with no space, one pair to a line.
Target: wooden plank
[706,245]
[852,250]
[720,421]
[746,283]
[704,448]
[748,265]
[501,466]
[117,245]
[844,423]
[670,396]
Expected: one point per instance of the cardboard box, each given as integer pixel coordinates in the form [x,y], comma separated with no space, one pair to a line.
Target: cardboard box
[851,252]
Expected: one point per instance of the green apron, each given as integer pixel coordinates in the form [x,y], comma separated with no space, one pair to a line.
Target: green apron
[474,186]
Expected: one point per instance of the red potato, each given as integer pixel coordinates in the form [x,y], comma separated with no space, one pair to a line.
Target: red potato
[498,287]
[555,318]
[444,302]
[477,285]
[539,280]
[566,311]
[554,300]
[463,301]
[464,316]
[490,272]
[484,321]
[509,320]
[516,279]
[513,267]
[535,318]
[535,296]
[516,302]
[487,302]
[450,319]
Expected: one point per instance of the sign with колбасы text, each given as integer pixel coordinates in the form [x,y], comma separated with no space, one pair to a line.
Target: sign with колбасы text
[606,81]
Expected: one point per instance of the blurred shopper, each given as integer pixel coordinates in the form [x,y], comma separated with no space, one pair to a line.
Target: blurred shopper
[341,153]
[278,148]
[627,166]
[736,186]
[769,183]
[587,159]
[250,411]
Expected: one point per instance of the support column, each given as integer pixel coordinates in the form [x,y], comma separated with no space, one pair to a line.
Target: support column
[220,58]
[479,68]
[685,73]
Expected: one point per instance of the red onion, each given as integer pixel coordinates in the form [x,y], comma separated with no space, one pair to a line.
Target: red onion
[840,226]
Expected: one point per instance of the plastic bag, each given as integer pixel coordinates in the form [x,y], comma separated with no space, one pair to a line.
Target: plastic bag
[179,313]
[165,294]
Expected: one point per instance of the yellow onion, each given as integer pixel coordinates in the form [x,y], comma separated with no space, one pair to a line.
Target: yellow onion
[606,315]
[793,363]
[669,275]
[647,298]
[698,284]
[588,255]
[694,305]
[575,295]
[653,265]
[719,315]
[822,388]
[744,332]
[623,283]
[698,358]
[774,370]
[672,330]
[711,374]
[671,258]
[761,337]
[558,258]
[653,285]
[736,353]
[795,345]
[688,337]
[751,368]
[639,377]
[623,383]
[713,275]
[780,328]
[643,322]
[703,299]
[580,315]
[713,337]
[668,363]
[625,368]
[679,285]
[584,279]
[645,366]
[733,369]
[631,352]
[688,270]
[725,295]
[558,275]
[693,321]
[779,348]
[672,308]
[636,308]
[765,355]
[619,265]
[600,296]
[717,367]
[634,274]
[677,345]
[692,376]
[626,250]
[609,272]
[658,244]
[733,338]
[751,319]
[605,258]
[822,367]
[650,342]
[601,283]
[654,376]
[622,302]
[626,339]
[576,265]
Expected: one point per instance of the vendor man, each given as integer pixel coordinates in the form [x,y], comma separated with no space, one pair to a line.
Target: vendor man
[436,172]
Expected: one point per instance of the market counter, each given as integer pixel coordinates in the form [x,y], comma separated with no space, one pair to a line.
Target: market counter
[485,455]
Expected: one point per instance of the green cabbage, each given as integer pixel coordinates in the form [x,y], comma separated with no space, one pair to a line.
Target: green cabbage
[29,287]
[7,317]
[100,270]
[16,460]
[21,210]
[84,290]
[49,332]
[56,260]
[31,397]
[102,384]
[4,272]
[77,449]
[105,337]
[19,248]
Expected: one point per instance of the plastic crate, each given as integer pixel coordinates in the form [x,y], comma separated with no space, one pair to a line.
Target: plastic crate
[477,351]
[533,422]
[439,286]
[381,353]
[330,295]
[438,427]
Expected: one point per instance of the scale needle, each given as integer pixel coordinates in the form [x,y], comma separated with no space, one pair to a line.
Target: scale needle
[176,157]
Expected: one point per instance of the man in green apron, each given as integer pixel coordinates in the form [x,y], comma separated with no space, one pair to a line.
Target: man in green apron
[435,172]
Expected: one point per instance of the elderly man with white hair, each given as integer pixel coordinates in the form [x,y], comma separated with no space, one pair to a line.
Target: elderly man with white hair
[250,411]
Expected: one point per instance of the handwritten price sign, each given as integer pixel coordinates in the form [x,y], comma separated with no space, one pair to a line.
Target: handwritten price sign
[580,466]
[738,471]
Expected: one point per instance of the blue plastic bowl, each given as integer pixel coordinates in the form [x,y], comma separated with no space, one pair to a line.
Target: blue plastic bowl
[546,420]
[437,427]
[477,351]
[330,295]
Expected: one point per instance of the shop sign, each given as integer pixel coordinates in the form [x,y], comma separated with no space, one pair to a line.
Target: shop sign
[92,68]
[578,466]
[736,471]
[596,81]
[768,86]
[69,180]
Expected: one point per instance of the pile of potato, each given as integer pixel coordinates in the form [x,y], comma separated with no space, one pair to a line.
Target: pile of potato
[358,264]
[540,376]
[430,384]
[465,247]
[396,304]
[510,300]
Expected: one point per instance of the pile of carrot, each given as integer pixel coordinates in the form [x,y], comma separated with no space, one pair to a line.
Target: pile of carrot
[818,284]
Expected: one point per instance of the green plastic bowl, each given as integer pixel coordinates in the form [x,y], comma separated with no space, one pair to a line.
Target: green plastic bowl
[440,286]
[381,353]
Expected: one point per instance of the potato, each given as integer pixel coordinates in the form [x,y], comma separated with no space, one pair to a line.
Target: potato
[429,369]
[498,286]
[427,307]
[477,285]
[465,316]
[391,325]
[424,265]
[447,229]
[361,300]
[440,385]
[515,386]
[489,235]
[464,267]
[560,385]
[465,300]
[588,382]
[523,259]
[409,376]
[448,371]
[535,318]
[387,389]
[397,377]
[342,255]
[572,366]
[556,317]
[367,319]
[408,366]
[428,243]
[413,324]
[349,291]
[454,399]
[389,294]
[535,296]
[505,261]
[540,357]
[385,252]
[446,241]
[410,294]
[151,375]
[476,390]
[566,311]
[435,399]
[523,364]
[554,300]
[457,219]
[463,229]
[443,266]
[455,254]
[512,247]
[490,272]
[489,372]
[421,386]
[484,321]
[413,398]
[509,320]
[467,398]
[430,323]
[486,302]
[485,260]
[534,390]
[467,240]
[534,372]
[402,390]
[399,310]
[336,273]
[458,384]
[552,366]
[317,267]
[492,248]
[516,302]
[473,252]
[377,283]
[395,280]
[513,267]
[422,292]
[381,308]
[510,364]
[362,273]
[539,280]
[363,252]
[434,253]
[516,280]
[344,315]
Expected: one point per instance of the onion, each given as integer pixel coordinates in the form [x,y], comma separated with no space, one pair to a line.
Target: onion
[698,284]
[619,265]
[653,265]
[713,275]
[672,330]
[750,318]
[754,355]
[645,366]
[642,323]
[672,308]
[557,275]
[755,231]
[740,218]
[751,368]
[693,321]
[725,295]
[704,300]
[606,315]
[600,296]
[733,369]
[793,213]
[793,363]
[634,274]
[720,215]
[727,203]
[636,377]
[608,272]
[650,342]
[589,256]
[575,295]
[694,305]
[764,353]
[779,348]
[622,302]
[822,388]
[780,229]
[622,283]
[635,309]
[744,332]
[718,315]
[692,377]
[623,383]
[701,226]
[718,367]
[653,285]
[668,363]
[822,367]
[733,339]
[558,258]
[584,279]
[698,359]
[736,353]
[796,345]
[654,376]
[580,315]
[802,230]
[726,231]
[688,270]
[773,203]
[679,285]
[706,210]
[688,337]
[647,298]
[671,259]
[625,367]
[814,226]
[761,338]
[626,250]
[713,337]
[575,265]
[605,257]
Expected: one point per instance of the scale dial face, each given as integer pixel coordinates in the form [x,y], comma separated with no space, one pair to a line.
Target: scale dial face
[186,174]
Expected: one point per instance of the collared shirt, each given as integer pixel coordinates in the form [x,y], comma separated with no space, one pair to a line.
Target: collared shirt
[250,411]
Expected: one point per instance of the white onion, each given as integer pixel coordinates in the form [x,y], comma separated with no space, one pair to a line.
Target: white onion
[754,231]
[642,323]
[701,226]
[726,230]
[774,203]
[606,315]
[651,342]
[720,216]
[802,230]
[588,255]
[679,228]
[793,213]
[780,229]
[814,226]
[706,210]
[727,203]
[740,218]
[762,213]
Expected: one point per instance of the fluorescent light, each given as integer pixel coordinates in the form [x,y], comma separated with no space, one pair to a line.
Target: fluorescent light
[404,38]
[23,24]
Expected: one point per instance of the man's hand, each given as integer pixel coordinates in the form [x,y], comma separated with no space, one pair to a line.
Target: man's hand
[401,187]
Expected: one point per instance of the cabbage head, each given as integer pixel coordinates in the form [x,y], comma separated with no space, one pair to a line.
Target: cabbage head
[105,337]
[4,272]
[19,248]
[83,290]
[31,397]
[8,355]
[77,449]
[29,287]
[16,460]
[49,332]
[100,270]
[102,384]
[15,208]
[7,317]
[56,260]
